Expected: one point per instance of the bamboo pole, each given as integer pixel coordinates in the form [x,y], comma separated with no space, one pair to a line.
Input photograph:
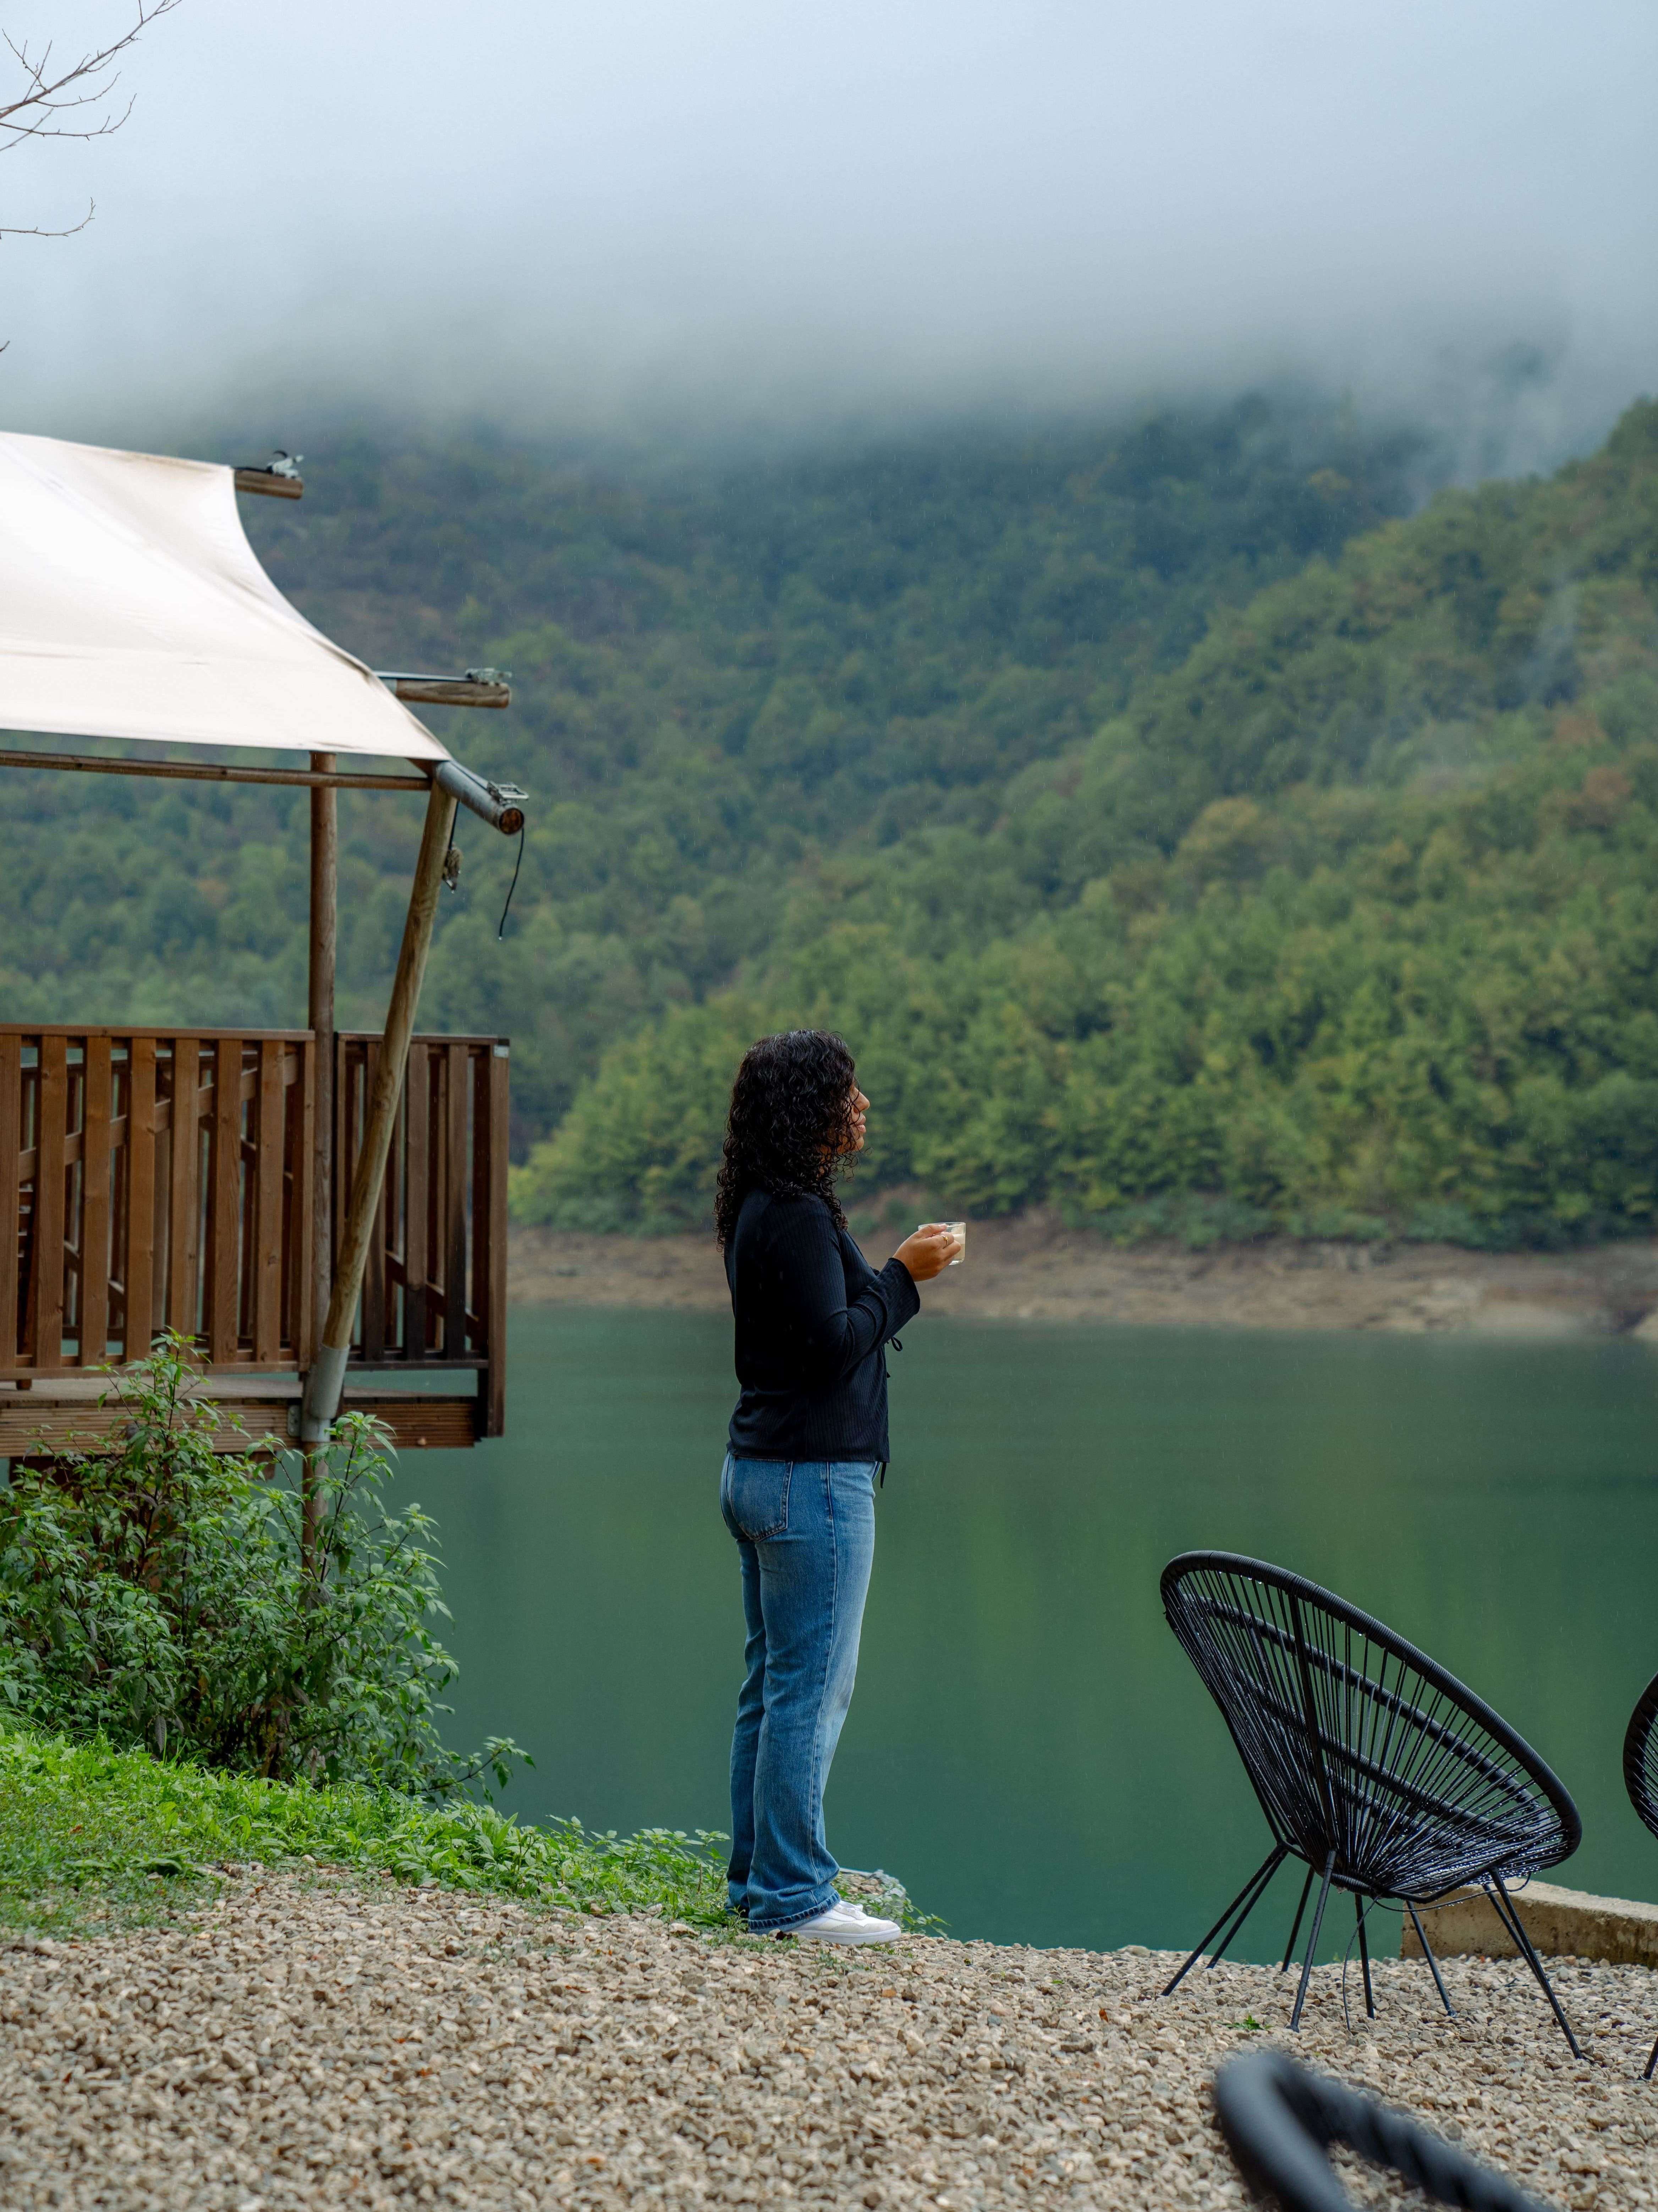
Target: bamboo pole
[209,772]
[324,927]
[325,1383]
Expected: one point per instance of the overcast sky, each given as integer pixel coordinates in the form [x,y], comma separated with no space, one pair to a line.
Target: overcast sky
[623,211]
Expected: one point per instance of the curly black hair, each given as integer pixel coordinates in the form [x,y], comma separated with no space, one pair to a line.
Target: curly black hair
[789,1119]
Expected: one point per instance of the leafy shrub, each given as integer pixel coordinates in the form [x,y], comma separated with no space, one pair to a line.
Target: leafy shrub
[164,1596]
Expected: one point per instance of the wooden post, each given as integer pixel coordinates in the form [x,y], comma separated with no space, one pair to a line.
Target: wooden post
[326,1380]
[324,926]
[325,930]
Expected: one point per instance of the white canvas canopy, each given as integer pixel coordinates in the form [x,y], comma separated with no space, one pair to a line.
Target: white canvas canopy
[131,605]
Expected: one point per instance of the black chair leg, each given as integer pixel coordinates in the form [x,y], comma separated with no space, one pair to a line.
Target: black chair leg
[1361,1908]
[1510,1919]
[1248,1898]
[1295,1925]
[1651,2063]
[1312,1941]
[1259,1891]
[1433,1963]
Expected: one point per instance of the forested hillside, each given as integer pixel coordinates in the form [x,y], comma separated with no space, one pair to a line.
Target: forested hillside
[734,679]
[1348,922]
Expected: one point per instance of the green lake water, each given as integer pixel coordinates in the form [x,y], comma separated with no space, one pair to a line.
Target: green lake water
[1028,1747]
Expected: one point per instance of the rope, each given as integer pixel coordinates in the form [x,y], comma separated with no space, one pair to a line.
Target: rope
[501,928]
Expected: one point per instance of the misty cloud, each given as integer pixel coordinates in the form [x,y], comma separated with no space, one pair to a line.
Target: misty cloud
[643,212]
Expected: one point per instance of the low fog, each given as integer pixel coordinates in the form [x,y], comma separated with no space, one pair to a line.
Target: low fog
[646,215]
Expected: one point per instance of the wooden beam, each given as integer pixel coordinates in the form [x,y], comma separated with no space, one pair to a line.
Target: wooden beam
[269,483]
[325,922]
[46,1421]
[449,691]
[210,772]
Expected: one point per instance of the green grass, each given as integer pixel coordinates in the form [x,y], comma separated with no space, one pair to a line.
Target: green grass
[93,1839]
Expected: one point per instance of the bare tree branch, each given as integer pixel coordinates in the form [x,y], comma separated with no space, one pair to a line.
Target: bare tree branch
[38,231]
[52,102]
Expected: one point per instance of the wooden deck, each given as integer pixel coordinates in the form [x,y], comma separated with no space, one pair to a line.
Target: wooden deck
[260,1413]
[161,1178]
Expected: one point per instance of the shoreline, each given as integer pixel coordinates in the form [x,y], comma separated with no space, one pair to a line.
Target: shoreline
[1032,1268]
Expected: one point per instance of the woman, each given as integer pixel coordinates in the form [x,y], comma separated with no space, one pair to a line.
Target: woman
[807,1440]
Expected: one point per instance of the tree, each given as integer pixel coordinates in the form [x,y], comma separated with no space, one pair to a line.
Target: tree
[71,100]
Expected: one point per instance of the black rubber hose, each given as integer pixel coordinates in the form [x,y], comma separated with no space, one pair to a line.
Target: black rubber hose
[1279,2120]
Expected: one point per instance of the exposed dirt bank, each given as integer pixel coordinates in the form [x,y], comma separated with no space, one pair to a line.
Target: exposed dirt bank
[297,2047]
[1032,1269]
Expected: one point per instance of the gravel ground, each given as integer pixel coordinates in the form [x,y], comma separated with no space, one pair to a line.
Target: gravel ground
[300,2045]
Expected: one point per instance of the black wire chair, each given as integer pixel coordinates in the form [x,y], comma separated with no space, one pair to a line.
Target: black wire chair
[1375,1768]
[1279,2121]
[1640,1776]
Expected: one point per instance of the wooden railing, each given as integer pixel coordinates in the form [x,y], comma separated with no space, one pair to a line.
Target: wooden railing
[434,1290]
[157,1180]
[161,1178]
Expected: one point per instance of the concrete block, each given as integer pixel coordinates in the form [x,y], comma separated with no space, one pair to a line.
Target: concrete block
[1561,1923]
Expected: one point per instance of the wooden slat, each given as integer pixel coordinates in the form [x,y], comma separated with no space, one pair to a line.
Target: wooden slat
[375,1325]
[420,1421]
[491,1208]
[74,1112]
[349,1092]
[33,1426]
[137,1231]
[11,1140]
[266,1254]
[416,1222]
[49,1196]
[477,1297]
[346,1079]
[224,1209]
[183,1195]
[455,1091]
[95,1205]
[301,1297]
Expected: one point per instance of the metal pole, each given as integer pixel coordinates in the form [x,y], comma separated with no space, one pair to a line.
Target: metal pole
[326,1380]
[324,923]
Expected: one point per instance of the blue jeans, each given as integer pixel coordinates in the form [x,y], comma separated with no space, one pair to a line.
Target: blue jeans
[805,1535]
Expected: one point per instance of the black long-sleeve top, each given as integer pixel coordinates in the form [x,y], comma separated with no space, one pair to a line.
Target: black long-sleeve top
[813,1321]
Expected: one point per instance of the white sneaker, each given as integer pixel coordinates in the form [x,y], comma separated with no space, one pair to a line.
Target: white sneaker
[845,1923]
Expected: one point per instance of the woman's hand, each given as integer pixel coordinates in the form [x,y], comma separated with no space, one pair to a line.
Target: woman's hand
[928,1252]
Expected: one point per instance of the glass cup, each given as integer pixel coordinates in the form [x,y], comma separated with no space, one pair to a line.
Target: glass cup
[958,1231]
